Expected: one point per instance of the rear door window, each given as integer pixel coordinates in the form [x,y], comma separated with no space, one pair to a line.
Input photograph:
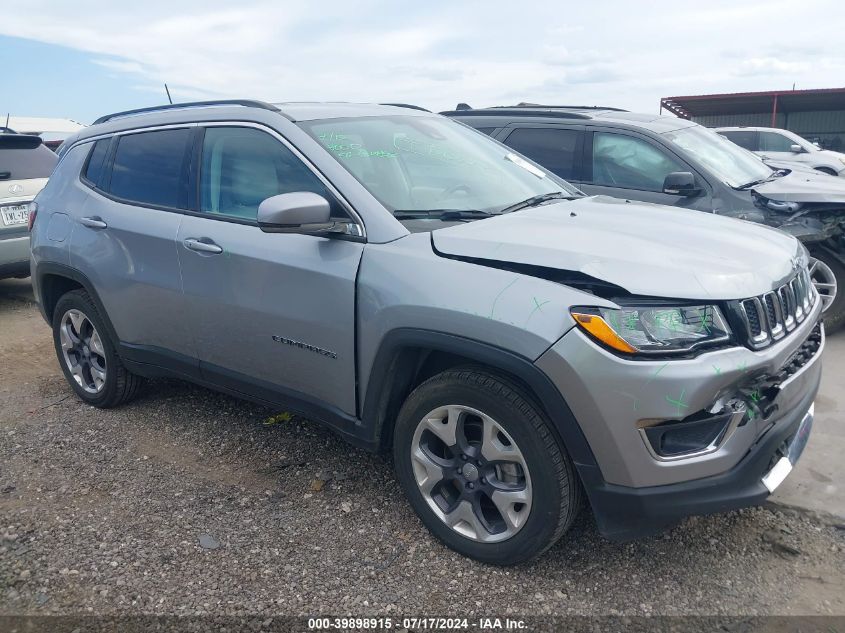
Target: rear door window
[25,164]
[149,168]
[743,138]
[629,162]
[554,149]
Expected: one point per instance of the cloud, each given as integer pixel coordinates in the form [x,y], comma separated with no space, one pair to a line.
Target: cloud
[438,53]
[770,66]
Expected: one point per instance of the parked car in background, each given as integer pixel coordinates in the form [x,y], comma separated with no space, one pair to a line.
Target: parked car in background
[418,286]
[780,144]
[25,165]
[672,161]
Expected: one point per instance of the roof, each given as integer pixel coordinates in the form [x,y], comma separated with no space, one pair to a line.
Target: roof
[309,111]
[654,122]
[38,125]
[756,102]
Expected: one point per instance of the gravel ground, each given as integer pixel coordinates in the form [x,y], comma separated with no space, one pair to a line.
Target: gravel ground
[191,502]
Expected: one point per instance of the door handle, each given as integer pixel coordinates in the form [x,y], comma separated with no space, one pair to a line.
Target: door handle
[94,222]
[202,247]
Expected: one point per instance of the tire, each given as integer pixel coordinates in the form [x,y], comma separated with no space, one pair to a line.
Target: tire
[511,454]
[97,375]
[834,316]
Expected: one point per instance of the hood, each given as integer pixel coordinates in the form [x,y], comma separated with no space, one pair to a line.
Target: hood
[804,187]
[832,154]
[646,249]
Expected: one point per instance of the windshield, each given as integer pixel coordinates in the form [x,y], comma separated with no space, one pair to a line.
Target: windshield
[432,164]
[729,162]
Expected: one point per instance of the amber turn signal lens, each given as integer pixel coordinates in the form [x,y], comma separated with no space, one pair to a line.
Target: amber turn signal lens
[598,328]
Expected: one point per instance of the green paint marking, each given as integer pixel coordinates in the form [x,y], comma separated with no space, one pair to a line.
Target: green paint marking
[755,396]
[702,314]
[537,306]
[501,292]
[631,320]
[679,403]
[632,397]
[718,370]
[657,372]
[743,366]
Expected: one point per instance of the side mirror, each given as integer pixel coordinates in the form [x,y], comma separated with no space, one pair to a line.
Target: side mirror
[796,149]
[680,183]
[299,212]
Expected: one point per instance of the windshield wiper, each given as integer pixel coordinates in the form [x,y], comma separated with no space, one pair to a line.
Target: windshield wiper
[535,200]
[776,173]
[441,214]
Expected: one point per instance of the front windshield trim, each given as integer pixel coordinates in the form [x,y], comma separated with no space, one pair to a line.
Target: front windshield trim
[422,144]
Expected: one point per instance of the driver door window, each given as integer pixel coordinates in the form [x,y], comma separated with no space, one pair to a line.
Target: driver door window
[241,167]
[628,162]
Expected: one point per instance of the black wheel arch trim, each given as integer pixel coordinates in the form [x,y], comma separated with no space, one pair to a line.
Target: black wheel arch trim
[43,269]
[384,372]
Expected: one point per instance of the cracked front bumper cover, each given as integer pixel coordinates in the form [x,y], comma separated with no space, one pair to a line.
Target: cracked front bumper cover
[624,513]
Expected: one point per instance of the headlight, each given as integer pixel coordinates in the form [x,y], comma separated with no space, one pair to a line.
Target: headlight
[654,329]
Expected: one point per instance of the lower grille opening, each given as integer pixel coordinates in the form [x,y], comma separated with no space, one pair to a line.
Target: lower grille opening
[696,433]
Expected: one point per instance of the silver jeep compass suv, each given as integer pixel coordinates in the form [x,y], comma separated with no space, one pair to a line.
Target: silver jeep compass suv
[418,286]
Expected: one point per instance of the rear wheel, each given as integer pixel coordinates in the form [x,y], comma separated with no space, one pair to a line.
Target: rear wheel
[482,468]
[828,276]
[87,357]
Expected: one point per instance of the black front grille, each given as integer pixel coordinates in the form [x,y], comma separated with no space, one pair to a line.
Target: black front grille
[752,317]
[803,354]
[773,315]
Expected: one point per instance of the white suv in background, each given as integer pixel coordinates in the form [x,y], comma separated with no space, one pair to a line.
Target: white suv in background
[780,144]
[25,165]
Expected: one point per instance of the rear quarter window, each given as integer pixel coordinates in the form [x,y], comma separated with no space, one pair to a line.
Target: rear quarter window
[554,149]
[25,164]
[94,166]
[745,138]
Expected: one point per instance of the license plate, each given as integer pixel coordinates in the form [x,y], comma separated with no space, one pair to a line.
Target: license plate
[783,466]
[15,215]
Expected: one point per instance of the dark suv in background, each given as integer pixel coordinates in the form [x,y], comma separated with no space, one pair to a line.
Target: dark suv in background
[675,162]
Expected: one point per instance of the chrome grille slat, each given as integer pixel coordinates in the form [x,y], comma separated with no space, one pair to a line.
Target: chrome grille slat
[771,316]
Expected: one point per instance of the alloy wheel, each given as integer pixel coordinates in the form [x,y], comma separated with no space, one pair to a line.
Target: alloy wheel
[824,280]
[471,473]
[82,350]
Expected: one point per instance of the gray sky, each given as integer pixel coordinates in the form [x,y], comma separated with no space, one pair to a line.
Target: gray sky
[625,54]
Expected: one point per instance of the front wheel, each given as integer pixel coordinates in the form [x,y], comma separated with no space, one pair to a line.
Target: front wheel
[828,276]
[482,468]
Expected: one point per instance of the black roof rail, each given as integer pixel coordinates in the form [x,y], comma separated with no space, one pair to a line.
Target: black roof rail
[563,107]
[500,110]
[406,105]
[190,104]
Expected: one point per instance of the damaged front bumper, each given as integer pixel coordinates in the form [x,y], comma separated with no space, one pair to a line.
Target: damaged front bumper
[686,436]
[623,513]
